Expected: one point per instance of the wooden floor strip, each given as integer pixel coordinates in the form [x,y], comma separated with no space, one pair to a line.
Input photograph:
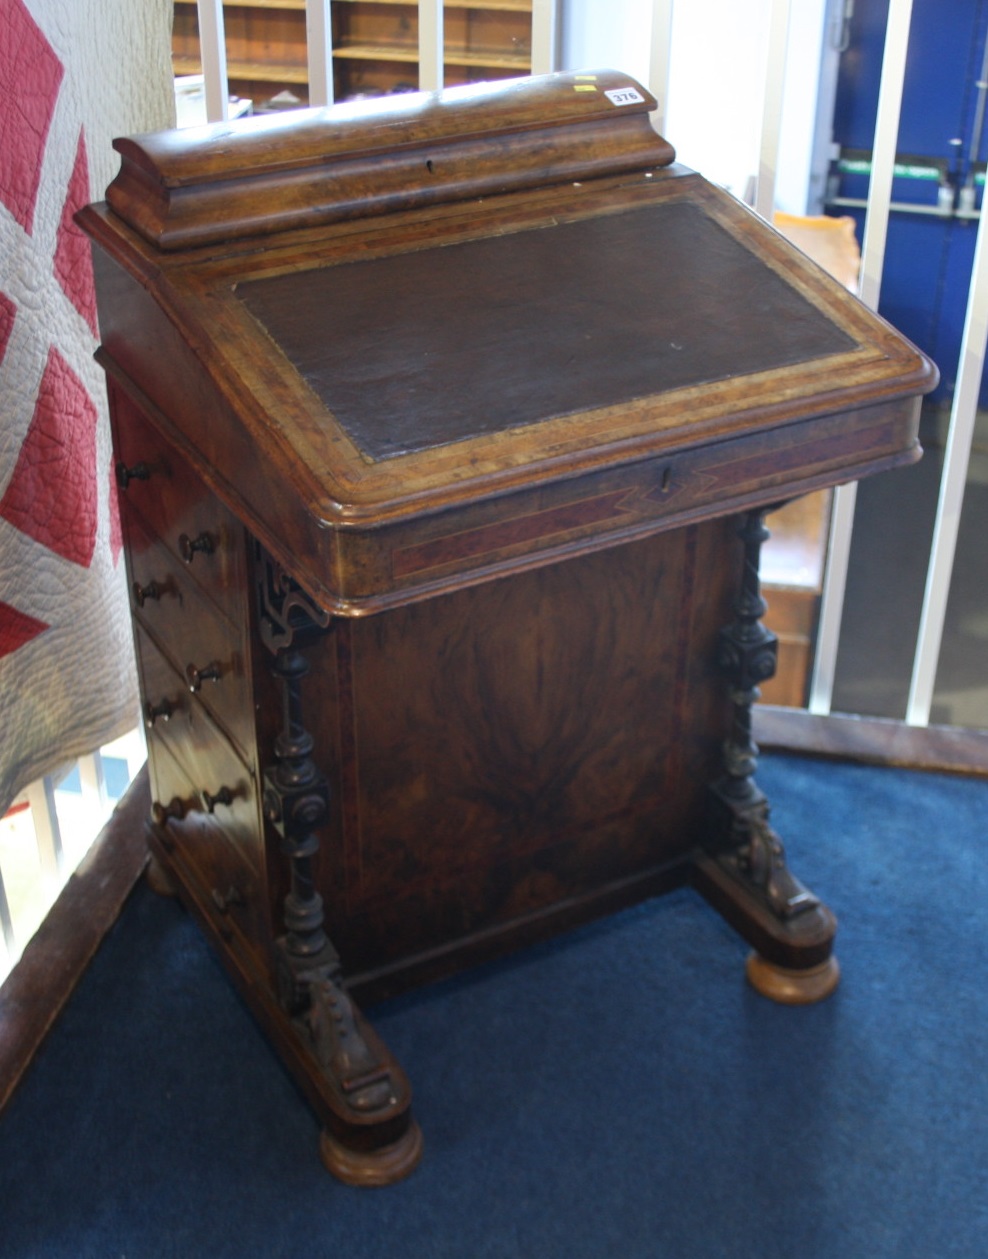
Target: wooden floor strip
[948,749]
[37,989]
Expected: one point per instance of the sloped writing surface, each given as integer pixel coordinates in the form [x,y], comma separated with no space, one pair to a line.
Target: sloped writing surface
[422,349]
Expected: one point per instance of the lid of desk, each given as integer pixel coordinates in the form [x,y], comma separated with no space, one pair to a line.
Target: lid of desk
[422,349]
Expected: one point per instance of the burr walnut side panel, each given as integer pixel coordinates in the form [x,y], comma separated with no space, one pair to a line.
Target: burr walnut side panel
[514,746]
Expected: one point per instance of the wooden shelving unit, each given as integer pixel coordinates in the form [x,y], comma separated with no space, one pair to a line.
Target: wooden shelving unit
[375,45]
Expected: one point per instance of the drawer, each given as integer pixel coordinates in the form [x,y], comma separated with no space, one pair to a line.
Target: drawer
[218,793]
[206,650]
[178,714]
[167,702]
[160,485]
[219,851]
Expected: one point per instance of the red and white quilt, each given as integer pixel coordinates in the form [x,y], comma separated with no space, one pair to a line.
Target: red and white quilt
[73,74]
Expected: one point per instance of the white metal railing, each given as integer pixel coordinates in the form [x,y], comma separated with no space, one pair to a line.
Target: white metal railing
[431,60]
[659,54]
[544,36]
[952,482]
[319,39]
[869,289]
[212,49]
[576,34]
[772,101]
[49,829]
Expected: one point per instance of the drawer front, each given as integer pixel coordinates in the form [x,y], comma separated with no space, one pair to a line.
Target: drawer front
[218,842]
[207,651]
[175,717]
[154,480]
[167,701]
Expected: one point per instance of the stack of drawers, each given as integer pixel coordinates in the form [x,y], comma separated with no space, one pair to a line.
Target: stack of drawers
[187,567]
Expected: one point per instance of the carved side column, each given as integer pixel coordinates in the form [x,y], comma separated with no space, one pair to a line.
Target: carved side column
[370,1135]
[744,872]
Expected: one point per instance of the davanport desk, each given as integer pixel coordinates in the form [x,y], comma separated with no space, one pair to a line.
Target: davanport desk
[445,428]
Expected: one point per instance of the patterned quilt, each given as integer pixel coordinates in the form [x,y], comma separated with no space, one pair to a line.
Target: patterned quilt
[73,74]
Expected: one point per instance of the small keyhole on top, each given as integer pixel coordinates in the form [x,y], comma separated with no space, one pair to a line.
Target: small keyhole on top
[666,479]
[428,165]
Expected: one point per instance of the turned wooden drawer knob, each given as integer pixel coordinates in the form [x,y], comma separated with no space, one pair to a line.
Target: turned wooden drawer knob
[143,593]
[223,900]
[174,810]
[161,711]
[209,802]
[209,673]
[139,472]
[190,547]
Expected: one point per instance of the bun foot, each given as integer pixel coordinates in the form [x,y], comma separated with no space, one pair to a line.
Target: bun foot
[792,987]
[370,1168]
[158,878]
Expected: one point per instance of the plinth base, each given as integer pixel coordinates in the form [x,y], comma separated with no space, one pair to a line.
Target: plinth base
[370,1168]
[792,987]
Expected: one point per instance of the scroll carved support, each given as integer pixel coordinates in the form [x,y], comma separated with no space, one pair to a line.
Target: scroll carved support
[370,1136]
[744,871]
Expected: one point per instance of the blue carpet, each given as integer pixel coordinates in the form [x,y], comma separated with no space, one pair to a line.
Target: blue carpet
[617,1093]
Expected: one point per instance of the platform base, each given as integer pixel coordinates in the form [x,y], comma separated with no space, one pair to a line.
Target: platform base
[792,987]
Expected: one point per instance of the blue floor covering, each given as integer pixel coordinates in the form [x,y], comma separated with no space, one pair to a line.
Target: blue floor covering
[618,1093]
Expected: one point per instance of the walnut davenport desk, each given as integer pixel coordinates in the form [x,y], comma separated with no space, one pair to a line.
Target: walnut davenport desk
[445,427]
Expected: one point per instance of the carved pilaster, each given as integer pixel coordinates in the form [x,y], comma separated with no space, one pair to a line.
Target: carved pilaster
[371,1093]
[747,657]
[744,872]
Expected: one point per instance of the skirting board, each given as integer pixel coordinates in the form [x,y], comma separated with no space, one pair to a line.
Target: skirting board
[946,749]
[37,989]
